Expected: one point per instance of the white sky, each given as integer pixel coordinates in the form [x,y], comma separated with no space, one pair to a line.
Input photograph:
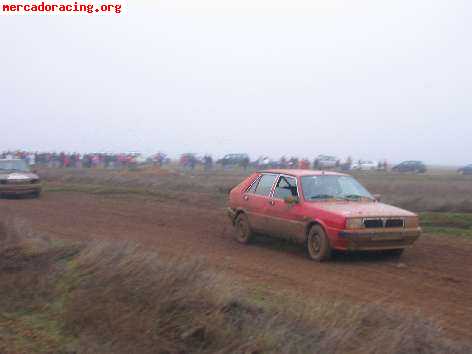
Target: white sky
[368,78]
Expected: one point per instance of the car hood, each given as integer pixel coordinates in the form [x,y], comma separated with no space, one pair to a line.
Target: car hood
[361,209]
[17,175]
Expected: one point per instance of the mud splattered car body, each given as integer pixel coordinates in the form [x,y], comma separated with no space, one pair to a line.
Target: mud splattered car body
[17,179]
[324,210]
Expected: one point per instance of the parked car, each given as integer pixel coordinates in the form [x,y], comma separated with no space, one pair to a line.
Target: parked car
[410,166]
[325,211]
[466,170]
[326,162]
[16,178]
[234,160]
[365,165]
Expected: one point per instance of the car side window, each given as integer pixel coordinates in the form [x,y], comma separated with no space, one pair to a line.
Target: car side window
[252,188]
[265,184]
[286,187]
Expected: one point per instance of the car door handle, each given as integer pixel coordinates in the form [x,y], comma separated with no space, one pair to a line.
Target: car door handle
[271,202]
[246,197]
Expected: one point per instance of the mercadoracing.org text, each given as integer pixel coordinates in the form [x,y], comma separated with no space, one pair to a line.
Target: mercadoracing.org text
[58,7]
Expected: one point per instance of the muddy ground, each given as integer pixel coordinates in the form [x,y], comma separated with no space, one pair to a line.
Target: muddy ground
[433,278]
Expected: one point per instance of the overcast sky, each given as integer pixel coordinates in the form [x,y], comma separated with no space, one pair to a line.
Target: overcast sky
[368,78]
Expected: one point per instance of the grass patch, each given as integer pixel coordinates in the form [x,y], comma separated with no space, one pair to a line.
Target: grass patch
[120,298]
[448,231]
[160,194]
[447,224]
[114,191]
[32,332]
[454,220]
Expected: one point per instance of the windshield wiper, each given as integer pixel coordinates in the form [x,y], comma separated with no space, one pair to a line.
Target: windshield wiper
[322,196]
[355,197]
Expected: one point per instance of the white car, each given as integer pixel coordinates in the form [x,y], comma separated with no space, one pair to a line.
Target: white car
[325,161]
[364,165]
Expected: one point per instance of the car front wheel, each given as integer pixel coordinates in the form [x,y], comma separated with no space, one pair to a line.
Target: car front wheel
[244,232]
[317,244]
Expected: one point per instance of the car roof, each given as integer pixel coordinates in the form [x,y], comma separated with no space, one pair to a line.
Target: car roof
[296,173]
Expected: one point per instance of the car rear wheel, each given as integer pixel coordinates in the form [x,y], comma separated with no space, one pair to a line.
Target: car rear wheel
[317,244]
[244,232]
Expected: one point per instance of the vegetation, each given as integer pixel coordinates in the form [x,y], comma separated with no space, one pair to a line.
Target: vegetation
[441,199]
[58,297]
[454,224]
[446,192]
[423,192]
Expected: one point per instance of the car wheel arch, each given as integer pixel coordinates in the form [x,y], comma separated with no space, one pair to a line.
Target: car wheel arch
[237,213]
[312,223]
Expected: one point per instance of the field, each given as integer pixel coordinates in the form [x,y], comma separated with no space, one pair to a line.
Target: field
[145,261]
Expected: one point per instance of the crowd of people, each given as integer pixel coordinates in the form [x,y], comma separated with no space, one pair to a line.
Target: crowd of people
[77,160]
[187,161]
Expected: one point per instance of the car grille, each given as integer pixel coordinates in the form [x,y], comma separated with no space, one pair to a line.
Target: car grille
[373,223]
[394,223]
[378,223]
[19,182]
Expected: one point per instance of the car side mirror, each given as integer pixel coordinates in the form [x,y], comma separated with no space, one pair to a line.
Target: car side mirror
[291,200]
[377,197]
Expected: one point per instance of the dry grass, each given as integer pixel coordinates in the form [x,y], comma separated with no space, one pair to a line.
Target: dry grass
[446,192]
[118,298]
[440,193]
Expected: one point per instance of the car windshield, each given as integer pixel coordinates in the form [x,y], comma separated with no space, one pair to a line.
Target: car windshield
[333,187]
[14,165]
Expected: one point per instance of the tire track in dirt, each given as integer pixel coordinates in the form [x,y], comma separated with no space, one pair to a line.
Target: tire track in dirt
[435,277]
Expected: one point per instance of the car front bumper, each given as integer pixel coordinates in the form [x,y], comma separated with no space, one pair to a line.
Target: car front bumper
[362,240]
[19,189]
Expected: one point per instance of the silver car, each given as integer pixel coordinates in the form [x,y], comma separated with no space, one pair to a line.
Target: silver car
[16,178]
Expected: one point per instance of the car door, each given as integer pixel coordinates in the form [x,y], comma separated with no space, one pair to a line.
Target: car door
[256,200]
[285,220]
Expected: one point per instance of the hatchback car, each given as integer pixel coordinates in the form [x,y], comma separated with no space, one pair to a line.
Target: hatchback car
[325,211]
[410,166]
[234,160]
[16,178]
[365,165]
[466,170]
[326,162]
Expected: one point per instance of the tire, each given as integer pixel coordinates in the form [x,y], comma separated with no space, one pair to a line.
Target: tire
[317,244]
[244,233]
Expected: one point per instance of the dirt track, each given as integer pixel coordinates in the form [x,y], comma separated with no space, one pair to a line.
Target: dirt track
[435,277]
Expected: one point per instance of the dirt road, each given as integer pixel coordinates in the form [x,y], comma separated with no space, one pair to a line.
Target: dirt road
[435,277]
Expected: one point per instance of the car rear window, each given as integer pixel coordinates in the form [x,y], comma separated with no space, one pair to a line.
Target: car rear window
[265,185]
[253,186]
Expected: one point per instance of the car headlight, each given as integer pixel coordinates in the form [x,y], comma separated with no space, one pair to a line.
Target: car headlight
[354,223]
[411,222]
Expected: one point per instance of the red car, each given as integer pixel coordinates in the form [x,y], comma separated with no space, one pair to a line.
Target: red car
[325,211]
